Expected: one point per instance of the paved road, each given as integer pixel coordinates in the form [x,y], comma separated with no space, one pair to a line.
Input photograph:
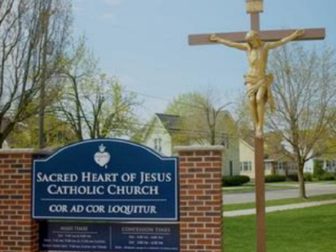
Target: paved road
[312,189]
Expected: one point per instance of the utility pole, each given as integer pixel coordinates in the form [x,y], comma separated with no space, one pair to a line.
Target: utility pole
[44,19]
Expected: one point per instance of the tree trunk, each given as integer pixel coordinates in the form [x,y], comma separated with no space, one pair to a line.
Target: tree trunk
[5,131]
[212,136]
[2,140]
[302,187]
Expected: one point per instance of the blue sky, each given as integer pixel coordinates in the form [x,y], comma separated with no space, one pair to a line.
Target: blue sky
[144,42]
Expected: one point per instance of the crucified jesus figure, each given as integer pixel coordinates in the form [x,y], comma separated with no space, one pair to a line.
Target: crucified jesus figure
[257,80]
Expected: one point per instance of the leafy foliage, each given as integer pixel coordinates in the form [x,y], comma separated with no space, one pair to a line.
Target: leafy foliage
[327,176]
[34,36]
[318,169]
[237,180]
[94,104]
[305,94]
[202,119]
[57,133]
[274,178]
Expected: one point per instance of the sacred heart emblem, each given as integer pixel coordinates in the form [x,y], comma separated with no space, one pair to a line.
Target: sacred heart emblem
[102,157]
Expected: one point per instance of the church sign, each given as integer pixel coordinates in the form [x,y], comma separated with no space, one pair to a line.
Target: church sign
[104,237]
[105,179]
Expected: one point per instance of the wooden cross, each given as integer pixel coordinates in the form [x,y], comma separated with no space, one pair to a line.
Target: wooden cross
[254,8]
[269,35]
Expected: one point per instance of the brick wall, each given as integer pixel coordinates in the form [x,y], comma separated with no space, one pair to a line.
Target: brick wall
[200,198]
[18,232]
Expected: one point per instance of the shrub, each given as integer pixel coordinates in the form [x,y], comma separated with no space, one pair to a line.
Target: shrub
[293,177]
[237,180]
[308,176]
[327,176]
[274,178]
[318,168]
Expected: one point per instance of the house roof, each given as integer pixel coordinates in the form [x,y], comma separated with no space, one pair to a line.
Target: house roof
[249,138]
[248,145]
[170,122]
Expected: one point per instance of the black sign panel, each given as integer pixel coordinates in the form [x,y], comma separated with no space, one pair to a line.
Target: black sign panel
[112,237]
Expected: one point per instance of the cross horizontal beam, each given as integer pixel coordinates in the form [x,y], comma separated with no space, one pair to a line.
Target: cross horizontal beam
[268,35]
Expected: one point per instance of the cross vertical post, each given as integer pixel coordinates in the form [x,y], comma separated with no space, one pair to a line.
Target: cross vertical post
[255,22]
[260,194]
[254,8]
[259,42]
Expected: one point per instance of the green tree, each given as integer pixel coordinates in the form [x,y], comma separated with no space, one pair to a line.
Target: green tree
[99,107]
[318,169]
[33,38]
[57,133]
[202,120]
[305,95]
[94,104]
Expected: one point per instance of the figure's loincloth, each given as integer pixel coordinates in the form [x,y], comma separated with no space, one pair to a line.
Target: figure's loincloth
[256,83]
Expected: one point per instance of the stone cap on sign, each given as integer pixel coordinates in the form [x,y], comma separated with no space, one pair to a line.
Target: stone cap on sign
[199,148]
[45,151]
[16,150]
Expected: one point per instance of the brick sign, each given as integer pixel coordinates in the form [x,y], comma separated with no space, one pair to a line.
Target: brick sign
[105,179]
[199,226]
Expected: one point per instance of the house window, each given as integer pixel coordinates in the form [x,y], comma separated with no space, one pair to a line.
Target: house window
[231,168]
[246,166]
[157,144]
[225,140]
[280,165]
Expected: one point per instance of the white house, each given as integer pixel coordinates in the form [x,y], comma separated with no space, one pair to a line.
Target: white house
[246,158]
[159,133]
[309,166]
[327,165]
[274,163]
[163,134]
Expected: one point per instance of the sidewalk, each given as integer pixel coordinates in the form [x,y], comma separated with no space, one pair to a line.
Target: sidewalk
[278,208]
[312,189]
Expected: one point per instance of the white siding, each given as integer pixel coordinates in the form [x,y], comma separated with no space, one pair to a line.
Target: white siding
[164,146]
[231,158]
[309,166]
[246,158]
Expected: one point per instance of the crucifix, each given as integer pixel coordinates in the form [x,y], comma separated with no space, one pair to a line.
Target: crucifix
[257,44]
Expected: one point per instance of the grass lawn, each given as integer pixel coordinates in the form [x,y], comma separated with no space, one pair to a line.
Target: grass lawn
[302,230]
[241,206]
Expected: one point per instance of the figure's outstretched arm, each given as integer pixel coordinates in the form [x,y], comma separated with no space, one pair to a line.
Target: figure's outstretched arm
[240,46]
[294,35]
